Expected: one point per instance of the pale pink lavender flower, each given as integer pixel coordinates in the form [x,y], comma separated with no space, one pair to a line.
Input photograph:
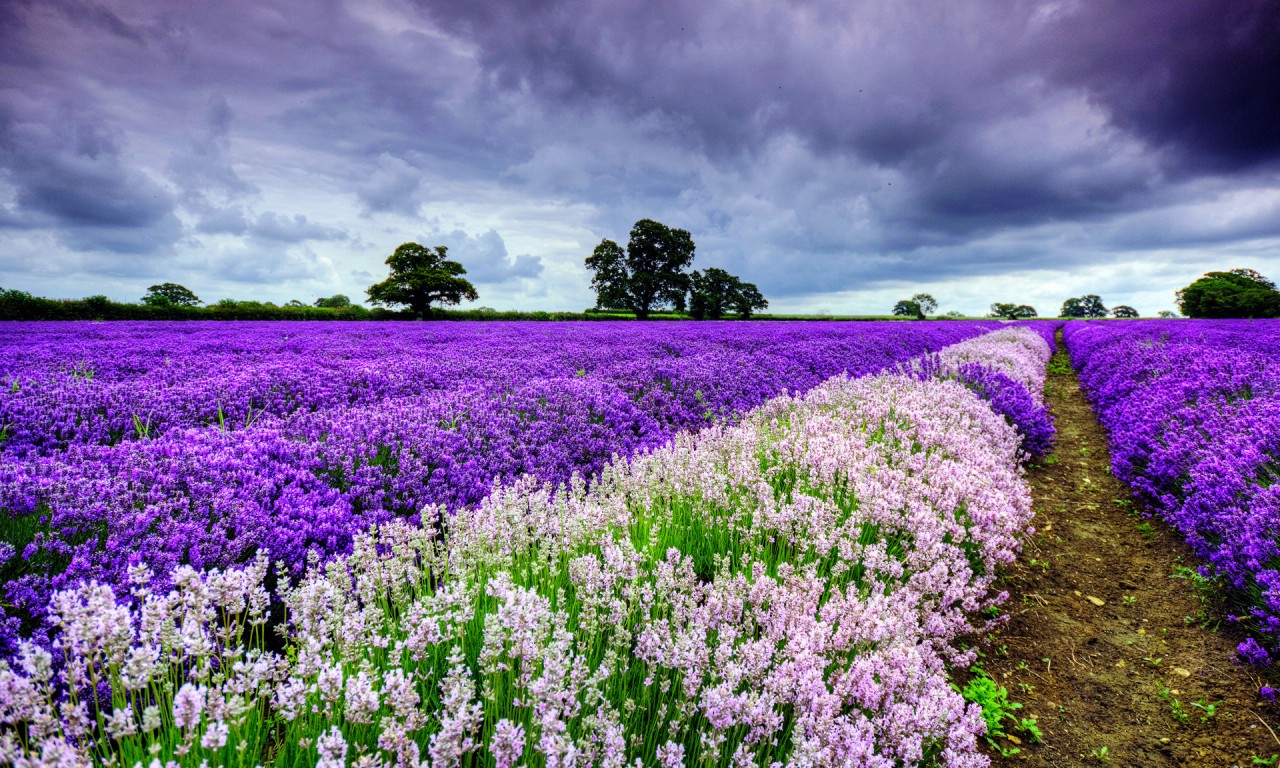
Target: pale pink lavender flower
[332,748]
[508,743]
[188,705]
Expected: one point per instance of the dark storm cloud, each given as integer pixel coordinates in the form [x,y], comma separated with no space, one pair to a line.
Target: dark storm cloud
[1202,78]
[918,87]
[811,145]
[67,174]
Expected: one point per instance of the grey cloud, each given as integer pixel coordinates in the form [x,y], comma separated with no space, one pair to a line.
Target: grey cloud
[69,174]
[392,186]
[260,263]
[485,256]
[203,169]
[291,229]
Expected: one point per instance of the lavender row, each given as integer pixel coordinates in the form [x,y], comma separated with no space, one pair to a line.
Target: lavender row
[200,444]
[1192,409]
[786,590]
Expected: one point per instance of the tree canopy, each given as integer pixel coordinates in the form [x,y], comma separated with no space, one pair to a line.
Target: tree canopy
[918,306]
[170,295]
[927,304]
[1124,311]
[420,277]
[1089,305]
[649,275]
[1011,311]
[1237,293]
[714,292]
[908,308]
[336,301]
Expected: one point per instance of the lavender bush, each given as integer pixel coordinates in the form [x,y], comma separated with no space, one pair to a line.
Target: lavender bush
[201,443]
[1192,409]
[1007,369]
[784,590]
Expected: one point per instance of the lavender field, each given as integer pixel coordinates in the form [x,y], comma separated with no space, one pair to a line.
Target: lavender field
[201,444]
[506,544]
[1192,409]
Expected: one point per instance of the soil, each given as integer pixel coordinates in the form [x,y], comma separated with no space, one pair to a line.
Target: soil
[1121,662]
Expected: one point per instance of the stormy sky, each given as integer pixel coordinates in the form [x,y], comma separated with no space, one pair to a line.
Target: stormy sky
[839,154]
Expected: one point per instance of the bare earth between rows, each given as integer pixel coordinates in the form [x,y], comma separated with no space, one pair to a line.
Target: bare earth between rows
[1118,658]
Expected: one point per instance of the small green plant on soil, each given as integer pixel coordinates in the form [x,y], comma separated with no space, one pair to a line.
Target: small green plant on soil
[1101,754]
[997,710]
[1129,599]
[1205,589]
[1209,709]
[1175,705]
[1146,529]
[1266,760]
[1153,660]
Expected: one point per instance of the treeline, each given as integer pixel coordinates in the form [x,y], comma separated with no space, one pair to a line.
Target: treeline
[20,305]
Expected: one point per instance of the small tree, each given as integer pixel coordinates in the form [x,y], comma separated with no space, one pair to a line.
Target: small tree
[1124,311]
[1013,311]
[749,301]
[908,308]
[1089,305]
[170,295]
[649,275]
[927,304]
[1167,314]
[1237,293]
[336,301]
[420,277]
[714,292]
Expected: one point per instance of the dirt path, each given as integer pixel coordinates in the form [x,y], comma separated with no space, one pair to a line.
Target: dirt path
[1104,646]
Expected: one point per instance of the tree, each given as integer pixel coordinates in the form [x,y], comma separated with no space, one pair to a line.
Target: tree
[294,303]
[749,301]
[170,295]
[649,275]
[715,292]
[927,304]
[610,280]
[1237,293]
[1167,314]
[1124,311]
[336,301]
[908,308]
[1013,311]
[1089,305]
[420,277]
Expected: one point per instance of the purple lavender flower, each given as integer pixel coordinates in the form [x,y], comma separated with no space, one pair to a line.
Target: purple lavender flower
[1253,653]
